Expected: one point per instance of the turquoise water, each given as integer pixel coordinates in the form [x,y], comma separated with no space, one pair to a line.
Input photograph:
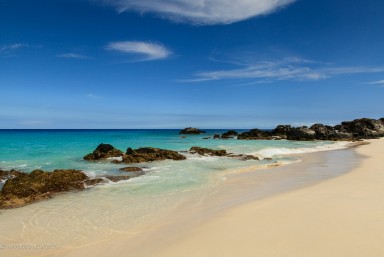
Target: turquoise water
[75,219]
[27,150]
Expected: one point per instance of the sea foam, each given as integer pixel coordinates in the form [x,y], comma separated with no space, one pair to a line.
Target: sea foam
[275,151]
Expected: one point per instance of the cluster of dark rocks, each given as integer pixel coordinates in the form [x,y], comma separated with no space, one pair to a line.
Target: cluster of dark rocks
[193,131]
[144,154]
[22,188]
[211,152]
[346,131]
[229,134]
[207,151]
[103,151]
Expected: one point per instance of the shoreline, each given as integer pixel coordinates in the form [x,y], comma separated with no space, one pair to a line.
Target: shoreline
[167,237]
[342,216]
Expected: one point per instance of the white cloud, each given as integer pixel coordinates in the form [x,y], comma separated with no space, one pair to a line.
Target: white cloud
[204,12]
[294,69]
[9,48]
[73,56]
[150,51]
[379,82]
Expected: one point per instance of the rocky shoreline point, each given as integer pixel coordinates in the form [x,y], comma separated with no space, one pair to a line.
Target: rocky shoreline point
[22,188]
[357,129]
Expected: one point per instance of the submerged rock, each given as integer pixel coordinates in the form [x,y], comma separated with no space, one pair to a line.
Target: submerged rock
[244,157]
[118,178]
[207,151]
[103,151]
[132,169]
[221,153]
[191,130]
[150,154]
[94,181]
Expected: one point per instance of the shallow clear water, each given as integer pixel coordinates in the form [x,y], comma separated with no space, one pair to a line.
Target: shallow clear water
[27,150]
[75,218]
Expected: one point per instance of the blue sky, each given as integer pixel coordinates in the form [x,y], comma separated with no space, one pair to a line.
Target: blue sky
[173,63]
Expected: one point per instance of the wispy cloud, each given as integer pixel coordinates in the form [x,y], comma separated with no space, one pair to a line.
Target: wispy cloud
[93,96]
[295,69]
[379,82]
[9,48]
[203,12]
[74,56]
[149,51]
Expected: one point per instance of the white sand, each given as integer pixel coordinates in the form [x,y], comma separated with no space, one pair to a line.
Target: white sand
[341,217]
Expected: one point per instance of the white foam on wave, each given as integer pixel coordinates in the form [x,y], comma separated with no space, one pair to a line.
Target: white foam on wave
[119,158]
[151,168]
[202,157]
[141,180]
[271,151]
[90,173]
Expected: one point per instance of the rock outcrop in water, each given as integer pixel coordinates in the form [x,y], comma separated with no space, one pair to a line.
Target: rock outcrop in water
[132,169]
[207,151]
[229,134]
[150,154]
[347,131]
[8,174]
[190,130]
[27,188]
[222,153]
[255,134]
[144,154]
[22,188]
[103,151]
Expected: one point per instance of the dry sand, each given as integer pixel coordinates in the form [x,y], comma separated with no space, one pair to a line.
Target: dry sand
[341,217]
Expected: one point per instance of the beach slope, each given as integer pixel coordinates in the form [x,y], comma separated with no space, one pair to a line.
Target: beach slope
[339,217]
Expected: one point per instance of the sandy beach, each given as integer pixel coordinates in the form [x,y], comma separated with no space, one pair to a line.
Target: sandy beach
[330,204]
[339,217]
[342,216]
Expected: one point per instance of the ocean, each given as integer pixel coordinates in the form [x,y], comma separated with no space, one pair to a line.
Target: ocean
[79,217]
